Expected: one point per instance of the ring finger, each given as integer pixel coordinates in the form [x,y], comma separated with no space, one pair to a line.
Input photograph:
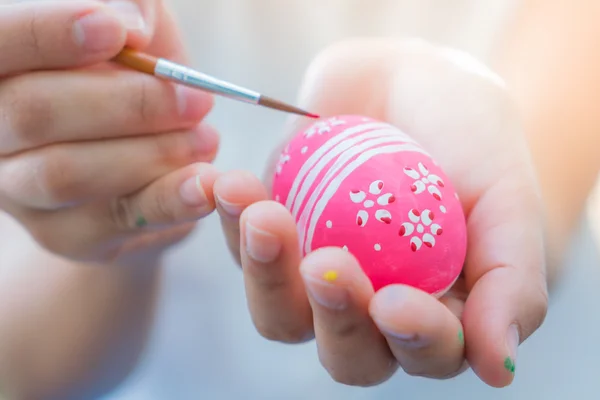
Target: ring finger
[70,173]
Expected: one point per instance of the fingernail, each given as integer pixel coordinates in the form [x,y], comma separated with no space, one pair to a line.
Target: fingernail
[130,13]
[324,290]
[262,246]
[97,31]
[191,103]
[512,342]
[233,210]
[192,193]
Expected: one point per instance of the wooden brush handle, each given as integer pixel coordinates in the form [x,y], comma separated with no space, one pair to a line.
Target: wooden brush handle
[136,60]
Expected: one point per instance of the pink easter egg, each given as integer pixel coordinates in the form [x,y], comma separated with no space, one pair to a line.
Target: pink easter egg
[367,187]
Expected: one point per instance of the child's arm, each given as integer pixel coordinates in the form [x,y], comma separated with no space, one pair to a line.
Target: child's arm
[67,330]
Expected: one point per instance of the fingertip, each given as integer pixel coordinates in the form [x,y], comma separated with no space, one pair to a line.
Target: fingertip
[270,216]
[208,174]
[401,310]
[236,190]
[207,142]
[137,19]
[193,104]
[334,256]
[99,31]
[196,186]
[335,266]
[492,326]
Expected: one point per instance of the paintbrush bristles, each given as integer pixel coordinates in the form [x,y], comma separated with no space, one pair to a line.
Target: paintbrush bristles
[278,105]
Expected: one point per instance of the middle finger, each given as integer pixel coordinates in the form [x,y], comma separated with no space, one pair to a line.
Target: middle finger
[52,107]
[66,174]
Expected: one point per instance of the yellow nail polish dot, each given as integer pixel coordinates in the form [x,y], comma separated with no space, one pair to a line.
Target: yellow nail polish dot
[330,276]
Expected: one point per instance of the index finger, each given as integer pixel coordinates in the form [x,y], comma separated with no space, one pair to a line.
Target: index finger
[51,35]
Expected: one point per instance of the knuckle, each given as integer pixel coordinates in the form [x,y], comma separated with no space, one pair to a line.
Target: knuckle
[345,330]
[56,176]
[141,102]
[269,281]
[33,35]
[28,114]
[161,206]
[121,214]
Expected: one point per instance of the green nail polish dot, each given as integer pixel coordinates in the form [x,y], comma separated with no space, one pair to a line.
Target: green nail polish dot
[509,365]
[141,222]
[461,337]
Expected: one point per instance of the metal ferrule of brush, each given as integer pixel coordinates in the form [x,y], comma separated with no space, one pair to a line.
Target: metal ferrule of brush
[192,78]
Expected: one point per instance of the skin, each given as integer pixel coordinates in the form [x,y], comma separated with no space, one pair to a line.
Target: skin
[78,358]
[62,162]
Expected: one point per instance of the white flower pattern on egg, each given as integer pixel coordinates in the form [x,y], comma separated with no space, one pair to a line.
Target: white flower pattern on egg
[381,200]
[323,127]
[423,180]
[421,229]
[284,158]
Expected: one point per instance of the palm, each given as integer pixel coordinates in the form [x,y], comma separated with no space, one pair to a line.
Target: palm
[469,126]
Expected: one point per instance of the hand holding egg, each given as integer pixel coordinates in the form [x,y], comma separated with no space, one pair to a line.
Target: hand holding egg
[358,238]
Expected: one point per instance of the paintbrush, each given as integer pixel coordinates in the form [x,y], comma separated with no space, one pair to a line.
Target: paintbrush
[181,74]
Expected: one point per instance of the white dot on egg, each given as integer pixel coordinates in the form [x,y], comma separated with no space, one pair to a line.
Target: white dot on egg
[420,228]
[329,224]
[377,247]
[443,209]
[369,203]
[304,149]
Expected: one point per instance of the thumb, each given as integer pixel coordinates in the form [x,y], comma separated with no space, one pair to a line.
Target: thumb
[167,41]
[151,27]
[138,17]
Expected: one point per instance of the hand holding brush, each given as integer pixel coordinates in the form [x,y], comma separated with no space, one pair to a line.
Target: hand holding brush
[115,160]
